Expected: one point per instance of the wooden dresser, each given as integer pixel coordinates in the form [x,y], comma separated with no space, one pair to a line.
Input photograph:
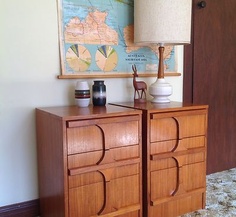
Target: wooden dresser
[89,161]
[174,157]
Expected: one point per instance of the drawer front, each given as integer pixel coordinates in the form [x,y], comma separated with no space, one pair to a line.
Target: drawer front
[99,175]
[177,161]
[175,146]
[107,191]
[170,128]
[174,181]
[103,157]
[97,137]
[175,176]
[179,206]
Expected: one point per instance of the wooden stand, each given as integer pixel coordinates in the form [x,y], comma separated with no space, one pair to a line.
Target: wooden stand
[89,161]
[174,157]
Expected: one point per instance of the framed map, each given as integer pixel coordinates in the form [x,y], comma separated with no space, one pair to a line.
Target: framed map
[96,40]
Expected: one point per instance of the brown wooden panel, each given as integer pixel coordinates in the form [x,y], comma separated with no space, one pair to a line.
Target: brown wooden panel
[209,77]
[86,200]
[194,142]
[163,129]
[102,136]
[135,213]
[85,179]
[162,164]
[125,191]
[177,207]
[99,158]
[163,183]
[193,176]
[197,157]
[114,194]
[192,125]
[162,147]
[172,160]
[98,176]
[121,134]
[178,127]
[84,139]
[52,177]
[84,159]
[177,145]
[177,176]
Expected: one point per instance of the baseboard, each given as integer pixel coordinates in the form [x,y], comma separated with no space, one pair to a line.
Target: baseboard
[25,209]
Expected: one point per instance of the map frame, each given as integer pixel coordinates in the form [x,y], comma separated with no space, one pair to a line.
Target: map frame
[101,74]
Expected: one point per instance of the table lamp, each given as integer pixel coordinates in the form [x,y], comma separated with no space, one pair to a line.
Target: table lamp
[162,22]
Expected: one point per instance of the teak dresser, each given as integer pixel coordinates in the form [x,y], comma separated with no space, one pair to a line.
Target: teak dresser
[122,160]
[89,161]
[174,157]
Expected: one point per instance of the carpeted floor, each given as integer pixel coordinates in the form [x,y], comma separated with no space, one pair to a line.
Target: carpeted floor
[220,196]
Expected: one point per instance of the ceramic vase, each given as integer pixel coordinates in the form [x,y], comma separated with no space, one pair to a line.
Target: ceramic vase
[99,93]
[82,94]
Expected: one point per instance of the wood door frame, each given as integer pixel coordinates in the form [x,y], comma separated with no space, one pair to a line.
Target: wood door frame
[188,71]
[188,65]
[188,74]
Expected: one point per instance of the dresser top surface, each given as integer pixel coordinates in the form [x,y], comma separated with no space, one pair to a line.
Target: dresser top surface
[160,107]
[68,112]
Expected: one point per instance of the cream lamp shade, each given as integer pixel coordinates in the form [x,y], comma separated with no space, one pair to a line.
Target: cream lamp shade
[165,22]
[162,22]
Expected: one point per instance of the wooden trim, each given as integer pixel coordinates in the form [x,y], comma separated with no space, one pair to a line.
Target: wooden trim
[24,209]
[177,197]
[188,74]
[121,75]
[188,66]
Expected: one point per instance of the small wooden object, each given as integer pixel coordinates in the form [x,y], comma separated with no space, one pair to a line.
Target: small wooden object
[140,87]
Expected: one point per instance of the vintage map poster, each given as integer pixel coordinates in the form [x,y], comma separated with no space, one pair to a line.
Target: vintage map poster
[96,38]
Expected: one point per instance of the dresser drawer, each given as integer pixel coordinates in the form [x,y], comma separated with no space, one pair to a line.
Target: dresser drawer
[107,191]
[102,136]
[107,173]
[175,146]
[173,180]
[103,156]
[177,127]
[159,163]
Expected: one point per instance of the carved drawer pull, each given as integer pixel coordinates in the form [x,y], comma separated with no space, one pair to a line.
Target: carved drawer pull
[180,161]
[106,174]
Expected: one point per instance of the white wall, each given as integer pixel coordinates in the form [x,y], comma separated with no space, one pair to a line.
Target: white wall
[29,64]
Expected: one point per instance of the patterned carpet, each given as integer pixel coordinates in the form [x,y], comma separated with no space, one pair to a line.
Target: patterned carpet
[220,196]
